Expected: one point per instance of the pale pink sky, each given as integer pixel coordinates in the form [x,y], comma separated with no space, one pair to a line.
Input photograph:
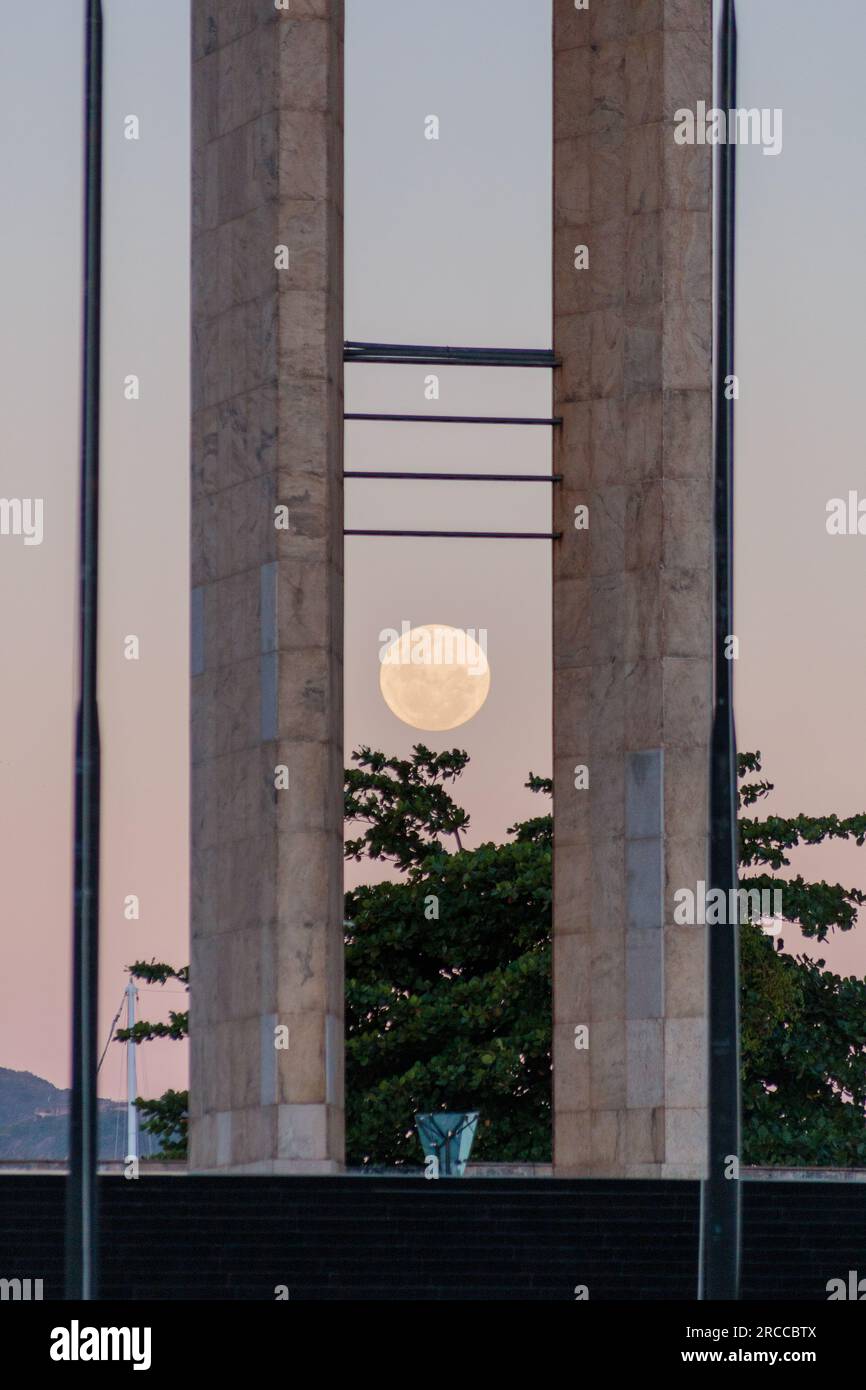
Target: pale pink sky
[446,242]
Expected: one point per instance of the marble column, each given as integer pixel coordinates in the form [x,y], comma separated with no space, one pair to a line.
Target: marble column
[632,584]
[267,591]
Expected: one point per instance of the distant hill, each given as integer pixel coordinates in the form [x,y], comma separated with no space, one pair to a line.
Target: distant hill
[34,1120]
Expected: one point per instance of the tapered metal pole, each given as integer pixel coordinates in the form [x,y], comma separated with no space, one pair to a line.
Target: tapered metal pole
[81,1209]
[720,1195]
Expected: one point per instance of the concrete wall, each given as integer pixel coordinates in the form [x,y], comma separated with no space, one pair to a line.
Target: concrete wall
[267,604]
[632,593]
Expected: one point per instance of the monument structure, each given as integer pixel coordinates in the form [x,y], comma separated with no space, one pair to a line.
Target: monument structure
[631,594]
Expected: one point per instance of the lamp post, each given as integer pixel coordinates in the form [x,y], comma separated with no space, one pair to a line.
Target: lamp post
[720,1191]
[81,1203]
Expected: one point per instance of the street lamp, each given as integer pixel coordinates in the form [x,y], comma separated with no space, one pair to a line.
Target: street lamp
[81,1204]
[720,1191]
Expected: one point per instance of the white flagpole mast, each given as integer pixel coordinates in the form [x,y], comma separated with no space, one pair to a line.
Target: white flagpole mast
[131,1080]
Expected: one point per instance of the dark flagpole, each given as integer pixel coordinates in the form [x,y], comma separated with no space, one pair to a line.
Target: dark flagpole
[81,1204]
[720,1192]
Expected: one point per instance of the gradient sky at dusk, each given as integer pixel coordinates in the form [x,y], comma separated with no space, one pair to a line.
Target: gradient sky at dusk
[447,241]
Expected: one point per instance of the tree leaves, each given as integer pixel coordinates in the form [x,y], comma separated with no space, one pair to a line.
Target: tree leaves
[452,1011]
[404,804]
[802,1027]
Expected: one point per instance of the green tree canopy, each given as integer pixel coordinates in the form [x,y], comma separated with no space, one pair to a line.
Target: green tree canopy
[448,990]
[448,996]
[803,1028]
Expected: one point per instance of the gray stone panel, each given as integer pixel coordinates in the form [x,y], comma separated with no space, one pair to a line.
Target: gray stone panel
[268,1060]
[644,869]
[644,794]
[196,642]
[644,965]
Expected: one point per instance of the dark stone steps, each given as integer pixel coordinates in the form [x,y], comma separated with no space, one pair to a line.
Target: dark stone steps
[204,1237]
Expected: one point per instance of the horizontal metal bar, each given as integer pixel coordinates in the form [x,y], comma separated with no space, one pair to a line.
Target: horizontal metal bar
[463,419]
[441,362]
[448,356]
[470,535]
[461,477]
[359,345]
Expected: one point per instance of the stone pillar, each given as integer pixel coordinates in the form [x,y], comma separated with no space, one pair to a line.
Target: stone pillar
[632,593]
[267,595]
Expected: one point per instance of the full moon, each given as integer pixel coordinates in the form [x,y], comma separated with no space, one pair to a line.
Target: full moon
[434,677]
